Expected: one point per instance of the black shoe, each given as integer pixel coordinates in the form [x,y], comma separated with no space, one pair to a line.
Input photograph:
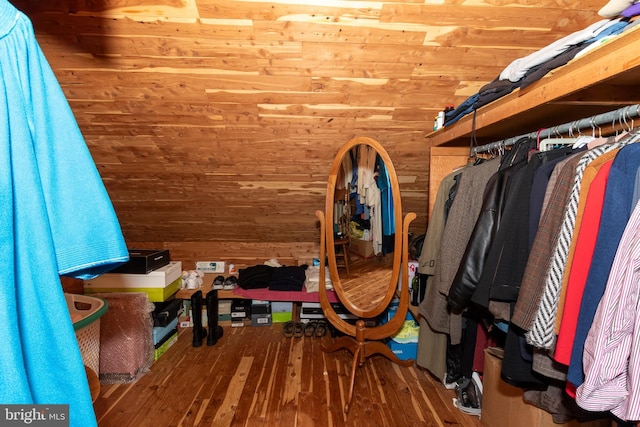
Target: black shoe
[199,332]
[215,331]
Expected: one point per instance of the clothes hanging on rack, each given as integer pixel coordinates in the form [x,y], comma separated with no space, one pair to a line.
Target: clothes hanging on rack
[432,345]
[610,381]
[476,255]
[583,255]
[372,192]
[55,219]
[457,229]
[531,246]
[616,212]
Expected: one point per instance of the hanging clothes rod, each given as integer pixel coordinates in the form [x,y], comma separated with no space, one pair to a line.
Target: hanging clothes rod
[619,116]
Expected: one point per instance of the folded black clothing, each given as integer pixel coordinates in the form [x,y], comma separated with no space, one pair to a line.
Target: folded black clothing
[255,276]
[288,278]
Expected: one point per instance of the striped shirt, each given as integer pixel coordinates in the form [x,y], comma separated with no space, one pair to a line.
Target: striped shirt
[611,357]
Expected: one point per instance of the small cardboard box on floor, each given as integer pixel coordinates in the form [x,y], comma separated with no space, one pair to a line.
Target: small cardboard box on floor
[361,248]
[503,405]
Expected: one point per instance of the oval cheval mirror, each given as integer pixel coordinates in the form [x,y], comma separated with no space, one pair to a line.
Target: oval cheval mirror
[367,292]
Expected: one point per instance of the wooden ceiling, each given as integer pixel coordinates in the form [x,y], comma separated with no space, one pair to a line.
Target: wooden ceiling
[214,122]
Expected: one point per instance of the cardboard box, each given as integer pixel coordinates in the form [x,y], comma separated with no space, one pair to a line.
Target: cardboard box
[281,311]
[162,348]
[503,404]
[240,309]
[155,294]
[166,311]
[281,307]
[160,333]
[143,261]
[210,266]
[313,310]
[361,248]
[160,278]
[261,319]
[281,317]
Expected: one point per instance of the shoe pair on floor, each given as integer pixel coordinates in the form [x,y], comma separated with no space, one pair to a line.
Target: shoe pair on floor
[227,284]
[312,328]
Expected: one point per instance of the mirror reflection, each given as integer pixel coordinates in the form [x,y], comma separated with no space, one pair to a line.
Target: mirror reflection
[364,226]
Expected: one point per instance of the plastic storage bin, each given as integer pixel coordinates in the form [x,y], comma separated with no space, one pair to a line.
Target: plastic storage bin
[85,314]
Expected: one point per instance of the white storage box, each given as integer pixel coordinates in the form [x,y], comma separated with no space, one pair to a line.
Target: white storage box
[160,278]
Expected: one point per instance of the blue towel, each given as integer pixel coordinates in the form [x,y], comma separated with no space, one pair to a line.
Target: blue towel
[55,218]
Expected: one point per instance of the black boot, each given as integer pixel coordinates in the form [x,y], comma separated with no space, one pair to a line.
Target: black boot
[215,331]
[199,332]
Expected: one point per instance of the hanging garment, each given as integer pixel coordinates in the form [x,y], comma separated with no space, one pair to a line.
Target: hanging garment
[433,307]
[541,182]
[615,214]
[517,367]
[612,347]
[433,235]
[55,219]
[585,244]
[510,248]
[542,329]
[473,261]
[387,216]
[590,174]
[463,214]
[432,345]
[540,256]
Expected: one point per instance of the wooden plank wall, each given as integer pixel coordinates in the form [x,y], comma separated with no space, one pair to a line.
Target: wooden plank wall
[213,123]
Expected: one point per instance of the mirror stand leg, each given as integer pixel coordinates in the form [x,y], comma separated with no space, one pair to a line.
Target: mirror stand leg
[354,366]
[376,347]
[340,343]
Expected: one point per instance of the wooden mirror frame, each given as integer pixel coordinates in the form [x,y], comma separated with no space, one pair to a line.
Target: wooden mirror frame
[373,308]
[363,341]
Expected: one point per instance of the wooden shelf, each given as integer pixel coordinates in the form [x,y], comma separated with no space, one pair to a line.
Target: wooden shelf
[601,80]
[222,294]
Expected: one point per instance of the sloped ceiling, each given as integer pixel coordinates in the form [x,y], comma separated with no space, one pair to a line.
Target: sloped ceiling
[217,120]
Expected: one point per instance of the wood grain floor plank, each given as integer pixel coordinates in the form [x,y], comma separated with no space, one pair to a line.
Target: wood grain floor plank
[227,409]
[256,377]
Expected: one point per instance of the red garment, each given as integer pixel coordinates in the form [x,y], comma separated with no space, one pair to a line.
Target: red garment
[483,340]
[582,257]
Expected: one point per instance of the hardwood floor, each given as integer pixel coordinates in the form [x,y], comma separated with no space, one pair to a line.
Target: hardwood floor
[255,376]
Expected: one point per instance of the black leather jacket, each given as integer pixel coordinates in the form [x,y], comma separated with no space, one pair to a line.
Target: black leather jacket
[473,260]
[475,256]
